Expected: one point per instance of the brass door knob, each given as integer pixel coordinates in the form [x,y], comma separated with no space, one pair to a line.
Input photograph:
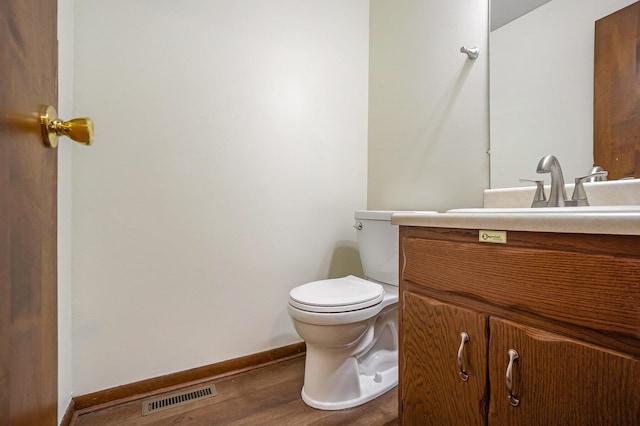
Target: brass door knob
[77,129]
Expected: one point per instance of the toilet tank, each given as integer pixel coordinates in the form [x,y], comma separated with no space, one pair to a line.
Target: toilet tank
[378,245]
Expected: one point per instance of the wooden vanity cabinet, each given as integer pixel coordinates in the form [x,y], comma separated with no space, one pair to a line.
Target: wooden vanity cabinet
[569,304]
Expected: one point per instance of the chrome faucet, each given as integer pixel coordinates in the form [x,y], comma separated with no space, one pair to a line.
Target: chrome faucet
[558,195]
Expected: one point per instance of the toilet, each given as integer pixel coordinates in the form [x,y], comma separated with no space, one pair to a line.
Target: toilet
[350,324]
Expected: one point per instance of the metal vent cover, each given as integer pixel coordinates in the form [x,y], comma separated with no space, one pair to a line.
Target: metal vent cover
[175,399]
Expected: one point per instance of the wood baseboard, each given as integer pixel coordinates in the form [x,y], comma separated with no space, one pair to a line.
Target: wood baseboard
[68,414]
[102,399]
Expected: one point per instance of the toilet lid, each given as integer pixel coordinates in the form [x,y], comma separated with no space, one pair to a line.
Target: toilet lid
[336,295]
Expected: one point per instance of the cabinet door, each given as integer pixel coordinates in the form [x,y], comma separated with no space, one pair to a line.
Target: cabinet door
[431,388]
[560,381]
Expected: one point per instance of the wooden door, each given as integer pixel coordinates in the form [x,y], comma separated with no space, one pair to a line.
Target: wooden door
[28,174]
[431,389]
[560,381]
[616,97]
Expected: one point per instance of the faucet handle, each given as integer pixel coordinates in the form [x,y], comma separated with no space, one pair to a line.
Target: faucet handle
[540,198]
[579,197]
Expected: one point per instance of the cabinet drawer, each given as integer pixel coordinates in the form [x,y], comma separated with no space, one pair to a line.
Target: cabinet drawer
[596,291]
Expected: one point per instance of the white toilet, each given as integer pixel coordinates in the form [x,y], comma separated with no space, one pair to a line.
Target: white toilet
[350,325]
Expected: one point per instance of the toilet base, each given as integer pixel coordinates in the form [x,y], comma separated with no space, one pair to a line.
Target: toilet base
[371,387]
[339,378]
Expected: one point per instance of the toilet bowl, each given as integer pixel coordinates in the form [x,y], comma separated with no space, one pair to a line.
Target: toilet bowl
[350,324]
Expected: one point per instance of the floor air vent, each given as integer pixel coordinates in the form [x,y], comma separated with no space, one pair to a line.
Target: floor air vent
[175,399]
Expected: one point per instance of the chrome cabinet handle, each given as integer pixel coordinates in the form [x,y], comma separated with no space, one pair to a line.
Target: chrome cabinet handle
[513,400]
[464,376]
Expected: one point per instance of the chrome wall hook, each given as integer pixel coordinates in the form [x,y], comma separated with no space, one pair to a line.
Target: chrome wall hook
[472,52]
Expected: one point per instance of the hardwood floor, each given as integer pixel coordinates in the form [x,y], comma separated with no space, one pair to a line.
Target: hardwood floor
[264,396]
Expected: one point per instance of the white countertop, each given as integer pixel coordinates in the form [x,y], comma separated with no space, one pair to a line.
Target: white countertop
[615,210]
[618,223]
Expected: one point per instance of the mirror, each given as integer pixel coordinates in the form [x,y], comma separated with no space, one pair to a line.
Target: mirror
[541,85]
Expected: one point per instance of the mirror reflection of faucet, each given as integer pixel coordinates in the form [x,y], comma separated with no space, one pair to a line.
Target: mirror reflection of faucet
[558,194]
[595,176]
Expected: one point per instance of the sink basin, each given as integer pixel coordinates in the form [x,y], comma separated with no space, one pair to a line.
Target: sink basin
[575,210]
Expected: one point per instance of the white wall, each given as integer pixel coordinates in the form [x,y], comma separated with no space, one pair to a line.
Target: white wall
[230,154]
[65,110]
[428,105]
[542,90]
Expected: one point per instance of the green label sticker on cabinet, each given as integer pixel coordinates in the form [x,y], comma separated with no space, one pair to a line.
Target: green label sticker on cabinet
[486,236]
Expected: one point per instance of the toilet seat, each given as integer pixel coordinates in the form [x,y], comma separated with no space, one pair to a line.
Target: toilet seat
[345,294]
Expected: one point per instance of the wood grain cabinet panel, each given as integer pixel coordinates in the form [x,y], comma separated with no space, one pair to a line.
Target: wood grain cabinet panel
[568,304]
[559,380]
[434,392]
